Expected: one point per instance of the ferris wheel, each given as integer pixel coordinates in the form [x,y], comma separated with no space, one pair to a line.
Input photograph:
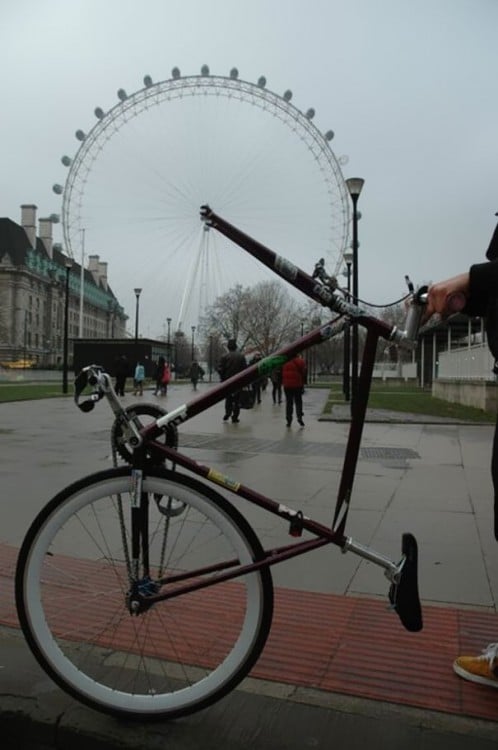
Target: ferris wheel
[134,187]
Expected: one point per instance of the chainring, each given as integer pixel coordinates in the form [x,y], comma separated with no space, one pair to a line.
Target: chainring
[120,435]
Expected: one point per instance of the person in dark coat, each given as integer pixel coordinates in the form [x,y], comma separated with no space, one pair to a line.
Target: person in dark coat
[196,373]
[122,372]
[276,382]
[478,287]
[230,364]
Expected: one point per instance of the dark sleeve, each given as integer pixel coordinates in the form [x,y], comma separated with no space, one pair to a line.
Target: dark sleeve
[483,284]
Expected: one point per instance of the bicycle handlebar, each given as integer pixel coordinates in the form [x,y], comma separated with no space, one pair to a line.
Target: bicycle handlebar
[417,305]
[96,377]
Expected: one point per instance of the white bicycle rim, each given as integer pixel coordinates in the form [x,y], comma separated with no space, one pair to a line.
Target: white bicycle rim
[184,699]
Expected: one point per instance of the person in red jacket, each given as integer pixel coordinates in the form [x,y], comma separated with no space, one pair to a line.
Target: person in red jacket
[293,380]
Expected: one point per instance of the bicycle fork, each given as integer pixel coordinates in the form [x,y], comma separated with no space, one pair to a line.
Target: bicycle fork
[141,583]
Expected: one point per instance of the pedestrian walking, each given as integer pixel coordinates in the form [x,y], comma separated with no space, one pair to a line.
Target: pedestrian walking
[138,379]
[196,373]
[293,380]
[121,374]
[232,362]
[162,377]
[276,385]
[258,383]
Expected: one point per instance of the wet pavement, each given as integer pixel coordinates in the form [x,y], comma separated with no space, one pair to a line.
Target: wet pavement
[413,475]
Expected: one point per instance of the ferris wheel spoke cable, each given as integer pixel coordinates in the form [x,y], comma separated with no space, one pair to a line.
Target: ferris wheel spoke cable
[193,273]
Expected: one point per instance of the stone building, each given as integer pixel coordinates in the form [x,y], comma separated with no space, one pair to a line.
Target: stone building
[34,273]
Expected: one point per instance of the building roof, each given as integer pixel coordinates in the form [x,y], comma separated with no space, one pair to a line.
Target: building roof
[15,243]
[458,325]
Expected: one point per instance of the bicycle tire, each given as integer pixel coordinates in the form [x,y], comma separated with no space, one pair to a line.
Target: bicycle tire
[180,655]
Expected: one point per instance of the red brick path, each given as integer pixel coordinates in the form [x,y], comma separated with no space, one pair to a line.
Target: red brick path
[355,646]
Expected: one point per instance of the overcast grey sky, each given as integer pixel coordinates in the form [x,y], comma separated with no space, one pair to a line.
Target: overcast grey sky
[409,90]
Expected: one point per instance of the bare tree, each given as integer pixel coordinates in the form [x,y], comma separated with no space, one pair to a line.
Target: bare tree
[225,317]
[263,317]
[394,315]
[271,317]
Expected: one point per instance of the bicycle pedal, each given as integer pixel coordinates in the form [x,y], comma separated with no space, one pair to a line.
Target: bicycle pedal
[403,595]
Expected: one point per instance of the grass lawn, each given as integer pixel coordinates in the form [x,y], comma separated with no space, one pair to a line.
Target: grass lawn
[404,397]
[30,391]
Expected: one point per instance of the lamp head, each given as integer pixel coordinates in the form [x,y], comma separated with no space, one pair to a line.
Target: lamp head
[348,255]
[355,185]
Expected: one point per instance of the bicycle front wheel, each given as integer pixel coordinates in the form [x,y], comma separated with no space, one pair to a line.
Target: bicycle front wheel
[73,583]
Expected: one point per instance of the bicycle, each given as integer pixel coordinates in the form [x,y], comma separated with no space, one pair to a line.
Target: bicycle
[142,591]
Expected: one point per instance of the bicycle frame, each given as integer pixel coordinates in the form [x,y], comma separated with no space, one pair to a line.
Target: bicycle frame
[298,522]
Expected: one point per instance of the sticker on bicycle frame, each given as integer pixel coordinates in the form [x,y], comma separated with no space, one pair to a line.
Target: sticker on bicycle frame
[328,331]
[173,417]
[136,487]
[270,363]
[216,476]
[285,268]
[323,293]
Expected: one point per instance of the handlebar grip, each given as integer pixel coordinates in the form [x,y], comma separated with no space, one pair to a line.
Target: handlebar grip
[454,304]
[413,318]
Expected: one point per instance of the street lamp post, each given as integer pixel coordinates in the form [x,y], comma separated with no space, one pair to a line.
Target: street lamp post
[192,352]
[348,259]
[66,330]
[355,185]
[137,295]
[168,321]
[210,357]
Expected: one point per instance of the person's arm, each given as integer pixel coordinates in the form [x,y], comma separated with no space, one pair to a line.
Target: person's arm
[478,285]
[484,279]
[441,292]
